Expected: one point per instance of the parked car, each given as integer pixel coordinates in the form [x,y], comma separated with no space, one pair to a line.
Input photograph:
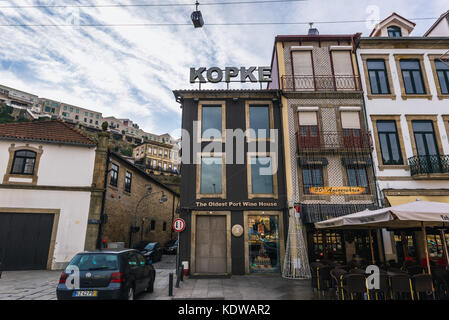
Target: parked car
[108,274]
[150,250]
[171,246]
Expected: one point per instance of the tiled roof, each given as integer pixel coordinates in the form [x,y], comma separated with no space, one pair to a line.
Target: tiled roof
[53,131]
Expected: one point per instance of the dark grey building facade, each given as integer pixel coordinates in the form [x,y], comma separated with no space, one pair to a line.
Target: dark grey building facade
[233,182]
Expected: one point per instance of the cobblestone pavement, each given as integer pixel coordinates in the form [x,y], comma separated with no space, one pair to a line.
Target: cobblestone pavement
[41,284]
[256,287]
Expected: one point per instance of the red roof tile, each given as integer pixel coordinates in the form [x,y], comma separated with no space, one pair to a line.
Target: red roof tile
[52,131]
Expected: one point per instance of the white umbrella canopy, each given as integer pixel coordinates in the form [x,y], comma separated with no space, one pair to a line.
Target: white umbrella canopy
[407,215]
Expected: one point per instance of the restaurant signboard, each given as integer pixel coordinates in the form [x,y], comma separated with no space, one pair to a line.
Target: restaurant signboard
[336,191]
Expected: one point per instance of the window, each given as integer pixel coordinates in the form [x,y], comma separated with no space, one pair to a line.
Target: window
[261,175]
[443,75]
[153,224]
[165,153]
[149,149]
[91,115]
[302,63]
[86,114]
[77,110]
[308,130]
[114,175]
[164,226]
[128,179]
[350,123]
[76,117]
[47,109]
[165,166]
[85,119]
[394,32]
[154,163]
[155,151]
[389,142]
[424,133]
[65,108]
[23,162]
[211,121]
[312,177]
[96,122]
[160,152]
[259,121]
[71,109]
[357,177]
[211,175]
[412,76]
[378,77]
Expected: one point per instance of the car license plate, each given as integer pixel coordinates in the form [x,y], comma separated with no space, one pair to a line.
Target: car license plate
[85,293]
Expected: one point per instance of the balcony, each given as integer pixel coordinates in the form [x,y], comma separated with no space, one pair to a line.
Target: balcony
[346,140]
[321,83]
[433,167]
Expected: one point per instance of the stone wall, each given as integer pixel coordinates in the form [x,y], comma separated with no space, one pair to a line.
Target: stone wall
[120,206]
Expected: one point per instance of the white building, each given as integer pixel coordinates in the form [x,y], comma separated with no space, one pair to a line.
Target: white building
[47,173]
[405,81]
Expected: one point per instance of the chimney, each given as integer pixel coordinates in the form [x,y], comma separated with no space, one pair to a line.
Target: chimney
[313,31]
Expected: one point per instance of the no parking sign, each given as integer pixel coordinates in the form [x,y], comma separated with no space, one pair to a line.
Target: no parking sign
[179,225]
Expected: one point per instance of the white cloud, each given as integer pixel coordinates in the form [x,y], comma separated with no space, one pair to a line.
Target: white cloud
[130,71]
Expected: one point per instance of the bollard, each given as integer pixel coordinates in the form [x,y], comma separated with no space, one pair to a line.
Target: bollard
[170,285]
[178,277]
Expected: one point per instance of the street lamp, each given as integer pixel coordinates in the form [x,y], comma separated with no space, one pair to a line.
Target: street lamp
[134,228]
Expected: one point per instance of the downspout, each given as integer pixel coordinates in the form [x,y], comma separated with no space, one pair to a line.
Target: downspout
[172,217]
[103,200]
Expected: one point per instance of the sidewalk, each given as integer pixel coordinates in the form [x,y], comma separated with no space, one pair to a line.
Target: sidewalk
[245,288]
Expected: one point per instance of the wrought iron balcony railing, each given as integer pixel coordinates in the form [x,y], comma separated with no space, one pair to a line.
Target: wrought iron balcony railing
[429,164]
[335,140]
[321,83]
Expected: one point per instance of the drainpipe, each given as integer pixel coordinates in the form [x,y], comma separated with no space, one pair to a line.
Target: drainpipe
[103,200]
[172,217]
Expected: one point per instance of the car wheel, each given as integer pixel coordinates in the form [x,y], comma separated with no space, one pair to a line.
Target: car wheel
[130,293]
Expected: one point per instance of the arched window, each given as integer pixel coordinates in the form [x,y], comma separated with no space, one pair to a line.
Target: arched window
[23,162]
[394,32]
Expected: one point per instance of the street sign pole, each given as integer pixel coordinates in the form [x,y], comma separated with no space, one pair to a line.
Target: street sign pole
[178,225]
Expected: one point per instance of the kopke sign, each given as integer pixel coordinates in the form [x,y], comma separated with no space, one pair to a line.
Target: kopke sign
[215,74]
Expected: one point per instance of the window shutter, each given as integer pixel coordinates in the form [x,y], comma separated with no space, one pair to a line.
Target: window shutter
[307,119]
[350,120]
[302,63]
[342,62]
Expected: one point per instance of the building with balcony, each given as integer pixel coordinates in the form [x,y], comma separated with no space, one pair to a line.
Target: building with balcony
[20,100]
[327,141]
[157,157]
[405,80]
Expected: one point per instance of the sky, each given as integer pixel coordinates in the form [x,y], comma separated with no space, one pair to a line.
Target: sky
[130,71]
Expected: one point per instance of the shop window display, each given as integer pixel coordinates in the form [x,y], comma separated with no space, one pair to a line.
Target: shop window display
[264,244]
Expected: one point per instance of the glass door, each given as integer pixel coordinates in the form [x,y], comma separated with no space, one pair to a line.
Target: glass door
[264,244]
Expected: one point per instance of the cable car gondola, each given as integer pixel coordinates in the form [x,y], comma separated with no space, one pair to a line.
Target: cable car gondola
[197,17]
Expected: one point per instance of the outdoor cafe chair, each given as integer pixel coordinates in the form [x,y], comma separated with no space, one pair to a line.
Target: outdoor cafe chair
[337,281]
[314,272]
[400,285]
[354,286]
[423,284]
[384,287]
[441,283]
[324,277]
[414,269]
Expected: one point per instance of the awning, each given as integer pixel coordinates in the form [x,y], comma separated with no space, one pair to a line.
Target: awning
[407,215]
[397,200]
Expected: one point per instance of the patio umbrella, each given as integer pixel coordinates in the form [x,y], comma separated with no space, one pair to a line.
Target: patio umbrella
[414,214]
